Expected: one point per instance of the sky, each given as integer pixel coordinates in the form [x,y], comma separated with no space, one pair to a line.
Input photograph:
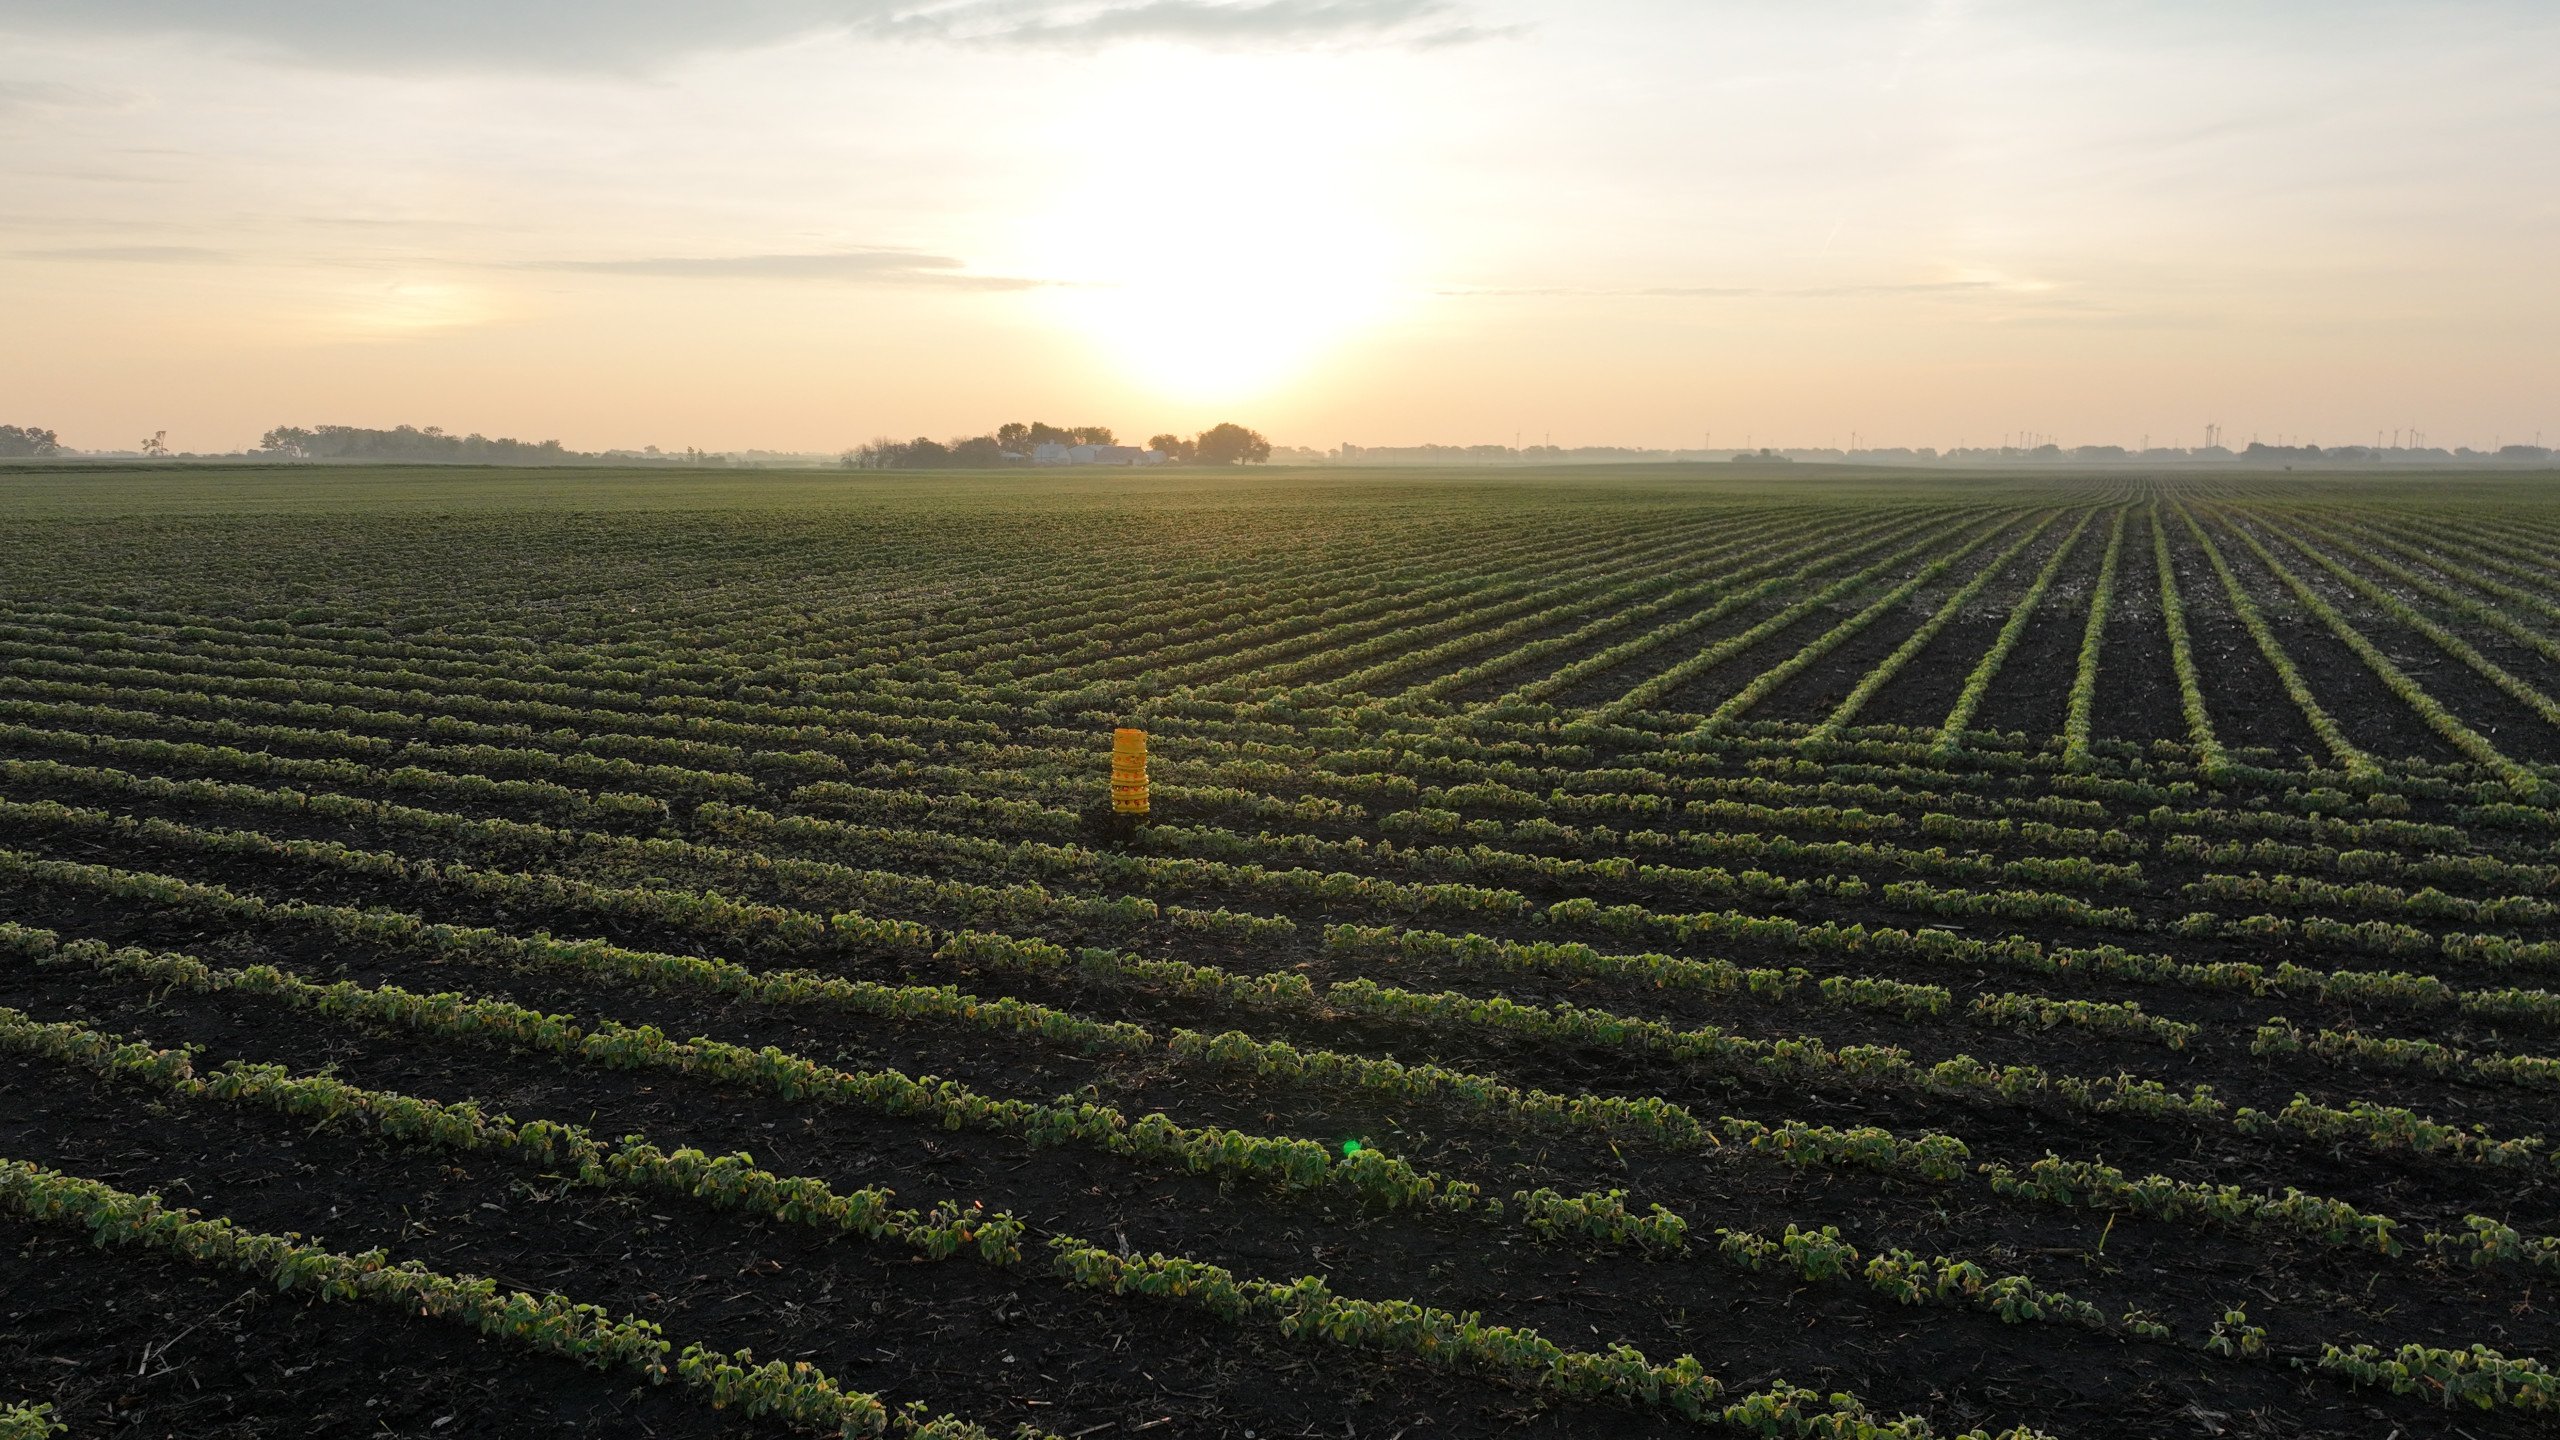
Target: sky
[800,224]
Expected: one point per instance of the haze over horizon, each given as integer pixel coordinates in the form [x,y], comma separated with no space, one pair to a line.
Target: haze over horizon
[794,224]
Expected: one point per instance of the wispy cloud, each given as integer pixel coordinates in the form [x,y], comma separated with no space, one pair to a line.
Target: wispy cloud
[1969,285]
[49,95]
[1197,22]
[887,267]
[131,254]
[859,267]
[608,35]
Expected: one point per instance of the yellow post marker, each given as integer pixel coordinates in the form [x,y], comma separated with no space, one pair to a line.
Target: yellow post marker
[1128,771]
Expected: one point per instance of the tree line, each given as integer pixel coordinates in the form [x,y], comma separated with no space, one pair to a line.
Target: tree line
[1014,442]
[408,442]
[27,442]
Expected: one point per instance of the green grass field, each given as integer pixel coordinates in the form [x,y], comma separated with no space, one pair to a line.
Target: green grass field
[1788,952]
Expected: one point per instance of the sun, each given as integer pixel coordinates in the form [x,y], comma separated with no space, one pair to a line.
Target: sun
[410,309]
[1244,258]
[1222,306]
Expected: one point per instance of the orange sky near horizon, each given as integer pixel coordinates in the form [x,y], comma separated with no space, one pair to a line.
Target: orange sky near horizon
[798,224]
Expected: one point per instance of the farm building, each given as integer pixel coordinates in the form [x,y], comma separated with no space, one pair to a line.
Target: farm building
[1055,454]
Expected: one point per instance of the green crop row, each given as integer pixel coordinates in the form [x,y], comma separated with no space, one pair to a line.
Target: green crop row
[720,917]
[2395,1128]
[1053,757]
[1797,1060]
[2399,990]
[2445,640]
[2081,712]
[2182,657]
[2461,736]
[1909,1279]
[1600,856]
[2478,1377]
[1882,672]
[2095,1186]
[1977,682]
[1768,681]
[548,1324]
[724,1182]
[1302,1309]
[1286,1164]
[2124,1020]
[1651,970]
[2434,868]
[1307,1308]
[2351,758]
[1669,680]
[2424,1057]
[1668,1123]
[2296,892]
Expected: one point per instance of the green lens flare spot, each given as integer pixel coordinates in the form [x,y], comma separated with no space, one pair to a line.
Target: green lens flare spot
[1350,1148]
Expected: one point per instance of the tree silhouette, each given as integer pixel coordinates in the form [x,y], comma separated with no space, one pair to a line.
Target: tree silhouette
[1229,443]
[27,442]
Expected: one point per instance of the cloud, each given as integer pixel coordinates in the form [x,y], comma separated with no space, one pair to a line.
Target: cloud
[131,254]
[887,267]
[858,267]
[476,34]
[610,35]
[47,95]
[1965,286]
[1196,22]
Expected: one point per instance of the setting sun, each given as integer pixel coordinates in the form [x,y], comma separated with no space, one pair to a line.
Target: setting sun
[1217,238]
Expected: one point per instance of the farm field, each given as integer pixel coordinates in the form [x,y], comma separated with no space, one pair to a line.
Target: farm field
[1618,952]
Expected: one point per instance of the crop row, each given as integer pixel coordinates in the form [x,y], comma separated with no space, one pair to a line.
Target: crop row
[1669,681]
[1935,1157]
[1304,1308]
[2080,715]
[729,761]
[1977,682]
[547,1324]
[2456,733]
[1767,682]
[1298,885]
[1480,626]
[2443,639]
[2390,1053]
[718,917]
[1729,576]
[1614,657]
[1746,847]
[2182,658]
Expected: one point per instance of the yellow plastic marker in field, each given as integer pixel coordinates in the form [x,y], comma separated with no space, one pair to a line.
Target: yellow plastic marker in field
[1129,771]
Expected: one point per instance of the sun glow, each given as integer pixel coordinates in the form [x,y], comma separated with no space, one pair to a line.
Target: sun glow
[409,309]
[1216,244]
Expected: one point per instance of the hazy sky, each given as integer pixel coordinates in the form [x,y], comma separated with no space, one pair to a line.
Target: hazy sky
[800,223]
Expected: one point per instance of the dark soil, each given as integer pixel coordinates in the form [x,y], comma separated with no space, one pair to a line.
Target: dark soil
[2243,695]
[840,1304]
[808,640]
[133,1343]
[2032,693]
